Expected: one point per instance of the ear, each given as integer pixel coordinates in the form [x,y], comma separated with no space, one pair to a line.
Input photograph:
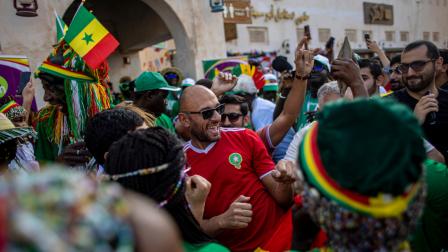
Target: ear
[184,120]
[105,155]
[246,119]
[439,63]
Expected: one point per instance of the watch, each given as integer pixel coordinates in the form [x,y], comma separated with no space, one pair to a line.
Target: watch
[302,77]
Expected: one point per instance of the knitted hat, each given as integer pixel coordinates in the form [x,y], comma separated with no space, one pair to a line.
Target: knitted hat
[86,91]
[271,83]
[8,131]
[366,155]
[148,81]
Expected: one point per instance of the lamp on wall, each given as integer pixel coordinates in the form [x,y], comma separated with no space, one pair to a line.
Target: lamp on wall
[217,5]
[26,8]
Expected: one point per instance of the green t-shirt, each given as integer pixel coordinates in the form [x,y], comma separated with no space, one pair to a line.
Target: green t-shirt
[172,107]
[208,247]
[165,122]
[432,229]
[309,104]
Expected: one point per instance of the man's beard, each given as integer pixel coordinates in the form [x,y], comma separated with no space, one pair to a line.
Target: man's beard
[201,135]
[425,81]
[396,85]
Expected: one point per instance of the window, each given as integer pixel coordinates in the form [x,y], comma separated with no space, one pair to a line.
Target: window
[404,36]
[390,36]
[435,36]
[324,35]
[300,33]
[351,35]
[258,34]
[426,35]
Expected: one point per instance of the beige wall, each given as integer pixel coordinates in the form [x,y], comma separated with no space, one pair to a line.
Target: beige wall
[198,34]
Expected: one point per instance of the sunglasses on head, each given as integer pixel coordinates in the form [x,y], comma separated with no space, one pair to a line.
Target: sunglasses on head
[208,113]
[417,65]
[233,117]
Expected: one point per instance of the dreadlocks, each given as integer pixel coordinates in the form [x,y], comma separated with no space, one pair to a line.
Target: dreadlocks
[149,148]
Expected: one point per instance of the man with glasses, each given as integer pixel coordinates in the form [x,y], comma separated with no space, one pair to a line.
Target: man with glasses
[151,91]
[250,196]
[419,62]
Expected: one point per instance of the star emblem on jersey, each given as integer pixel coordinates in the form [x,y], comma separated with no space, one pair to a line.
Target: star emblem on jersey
[236,159]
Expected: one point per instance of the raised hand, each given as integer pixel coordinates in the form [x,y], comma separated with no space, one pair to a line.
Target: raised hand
[223,82]
[284,172]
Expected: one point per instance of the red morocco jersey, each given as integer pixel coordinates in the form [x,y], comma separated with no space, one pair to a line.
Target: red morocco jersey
[234,165]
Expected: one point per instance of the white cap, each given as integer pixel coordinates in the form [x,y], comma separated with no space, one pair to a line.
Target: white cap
[245,84]
[323,60]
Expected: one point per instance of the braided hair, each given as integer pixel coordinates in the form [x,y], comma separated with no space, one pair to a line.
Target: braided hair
[148,148]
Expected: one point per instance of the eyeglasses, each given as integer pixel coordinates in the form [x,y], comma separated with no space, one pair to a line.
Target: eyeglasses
[417,66]
[233,117]
[395,70]
[208,113]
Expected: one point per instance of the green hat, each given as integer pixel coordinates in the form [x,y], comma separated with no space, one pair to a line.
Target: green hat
[366,155]
[152,81]
[270,87]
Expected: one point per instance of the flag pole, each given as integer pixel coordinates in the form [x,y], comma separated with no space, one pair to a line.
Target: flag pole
[79,7]
[58,20]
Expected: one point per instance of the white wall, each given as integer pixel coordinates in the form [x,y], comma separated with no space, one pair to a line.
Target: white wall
[345,14]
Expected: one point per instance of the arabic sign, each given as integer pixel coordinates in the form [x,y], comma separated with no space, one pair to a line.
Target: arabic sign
[279,14]
[378,13]
[237,12]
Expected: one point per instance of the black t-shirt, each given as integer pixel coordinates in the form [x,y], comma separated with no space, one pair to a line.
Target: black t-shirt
[445,86]
[436,134]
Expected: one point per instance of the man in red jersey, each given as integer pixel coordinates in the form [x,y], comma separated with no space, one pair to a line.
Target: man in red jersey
[249,196]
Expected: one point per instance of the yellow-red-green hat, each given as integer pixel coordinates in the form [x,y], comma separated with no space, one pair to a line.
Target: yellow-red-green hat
[366,155]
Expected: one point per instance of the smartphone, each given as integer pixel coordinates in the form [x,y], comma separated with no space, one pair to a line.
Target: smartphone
[24,79]
[330,43]
[367,37]
[307,31]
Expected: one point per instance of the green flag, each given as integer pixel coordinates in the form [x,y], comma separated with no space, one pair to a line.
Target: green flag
[61,27]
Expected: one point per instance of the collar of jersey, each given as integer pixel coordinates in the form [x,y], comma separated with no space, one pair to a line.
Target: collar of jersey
[205,151]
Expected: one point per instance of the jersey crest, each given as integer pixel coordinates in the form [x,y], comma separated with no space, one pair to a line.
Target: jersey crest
[236,159]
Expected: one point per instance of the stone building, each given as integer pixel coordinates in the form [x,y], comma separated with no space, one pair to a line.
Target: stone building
[197,32]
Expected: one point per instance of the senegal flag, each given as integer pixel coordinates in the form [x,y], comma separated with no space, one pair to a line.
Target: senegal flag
[88,37]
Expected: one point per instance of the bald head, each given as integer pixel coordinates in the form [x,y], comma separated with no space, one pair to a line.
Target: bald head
[195,97]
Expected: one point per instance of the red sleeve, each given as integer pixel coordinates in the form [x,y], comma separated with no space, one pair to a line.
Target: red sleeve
[264,136]
[261,161]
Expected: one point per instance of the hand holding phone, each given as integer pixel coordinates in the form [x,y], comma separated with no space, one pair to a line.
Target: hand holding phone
[24,79]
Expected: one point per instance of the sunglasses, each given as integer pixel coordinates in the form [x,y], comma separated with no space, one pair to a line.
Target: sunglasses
[318,68]
[395,70]
[208,113]
[233,117]
[171,76]
[417,66]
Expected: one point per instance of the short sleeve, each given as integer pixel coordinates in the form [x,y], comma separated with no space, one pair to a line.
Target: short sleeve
[266,139]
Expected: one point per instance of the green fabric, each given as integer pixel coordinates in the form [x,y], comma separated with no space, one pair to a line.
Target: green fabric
[270,87]
[309,104]
[172,107]
[208,247]
[371,145]
[165,122]
[432,230]
[151,81]
[44,150]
